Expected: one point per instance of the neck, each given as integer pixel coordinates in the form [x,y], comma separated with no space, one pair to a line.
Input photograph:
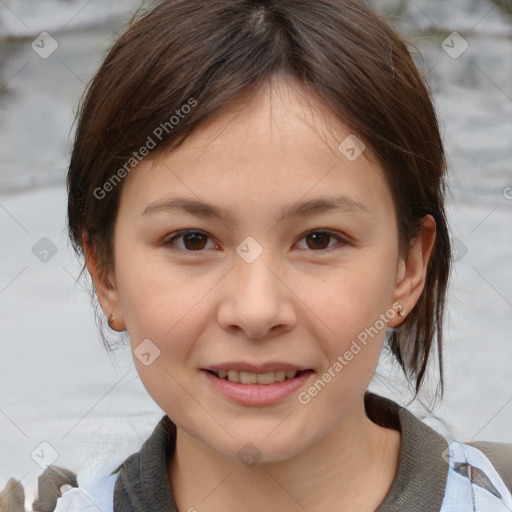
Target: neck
[351,468]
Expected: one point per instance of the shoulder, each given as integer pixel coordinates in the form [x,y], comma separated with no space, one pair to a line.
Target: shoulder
[500,454]
[473,480]
[94,494]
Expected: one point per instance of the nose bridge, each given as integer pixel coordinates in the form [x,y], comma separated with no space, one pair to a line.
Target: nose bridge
[257,299]
[253,269]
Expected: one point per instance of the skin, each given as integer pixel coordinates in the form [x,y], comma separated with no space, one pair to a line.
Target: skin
[303,300]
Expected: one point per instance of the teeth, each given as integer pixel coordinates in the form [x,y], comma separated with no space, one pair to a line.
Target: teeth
[233,376]
[280,375]
[256,378]
[248,378]
[266,378]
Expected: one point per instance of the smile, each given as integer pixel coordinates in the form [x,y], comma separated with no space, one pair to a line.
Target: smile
[256,378]
[256,389]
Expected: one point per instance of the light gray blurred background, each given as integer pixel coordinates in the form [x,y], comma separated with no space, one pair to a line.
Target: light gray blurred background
[57,384]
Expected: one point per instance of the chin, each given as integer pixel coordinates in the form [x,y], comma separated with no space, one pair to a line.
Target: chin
[259,448]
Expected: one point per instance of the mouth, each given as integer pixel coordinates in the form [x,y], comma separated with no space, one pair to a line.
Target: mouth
[243,377]
[258,385]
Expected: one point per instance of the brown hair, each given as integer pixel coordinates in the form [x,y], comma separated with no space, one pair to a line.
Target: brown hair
[192,52]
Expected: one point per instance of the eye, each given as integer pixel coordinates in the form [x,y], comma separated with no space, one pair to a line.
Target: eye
[194,241]
[317,240]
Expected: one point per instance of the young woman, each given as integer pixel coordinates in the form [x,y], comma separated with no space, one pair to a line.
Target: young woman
[257,188]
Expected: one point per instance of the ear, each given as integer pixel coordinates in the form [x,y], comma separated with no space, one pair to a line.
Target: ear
[104,285]
[411,275]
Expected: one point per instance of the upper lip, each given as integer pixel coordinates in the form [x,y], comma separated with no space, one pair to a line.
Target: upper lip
[240,366]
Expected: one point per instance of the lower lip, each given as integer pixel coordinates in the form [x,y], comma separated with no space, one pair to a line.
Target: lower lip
[258,394]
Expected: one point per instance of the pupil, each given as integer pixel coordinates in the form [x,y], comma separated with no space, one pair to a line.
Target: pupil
[317,237]
[194,238]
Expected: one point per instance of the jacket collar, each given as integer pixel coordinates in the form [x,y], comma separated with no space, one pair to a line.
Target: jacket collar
[419,485]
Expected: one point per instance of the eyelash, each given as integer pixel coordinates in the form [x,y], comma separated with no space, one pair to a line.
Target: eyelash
[170,241]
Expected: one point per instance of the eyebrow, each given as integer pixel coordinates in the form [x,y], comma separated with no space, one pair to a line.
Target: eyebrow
[299,209]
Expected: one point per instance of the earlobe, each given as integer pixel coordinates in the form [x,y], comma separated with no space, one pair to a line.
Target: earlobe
[411,274]
[105,287]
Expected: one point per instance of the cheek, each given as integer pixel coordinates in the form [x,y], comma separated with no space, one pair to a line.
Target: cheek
[354,343]
[355,305]
[162,309]
[153,294]
[353,297]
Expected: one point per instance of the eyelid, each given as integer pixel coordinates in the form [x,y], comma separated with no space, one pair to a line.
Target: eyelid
[168,241]
[341,239]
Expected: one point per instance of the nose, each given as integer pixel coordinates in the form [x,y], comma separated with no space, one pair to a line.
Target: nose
[257,301]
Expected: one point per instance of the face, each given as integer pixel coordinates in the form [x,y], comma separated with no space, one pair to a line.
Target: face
[265,287]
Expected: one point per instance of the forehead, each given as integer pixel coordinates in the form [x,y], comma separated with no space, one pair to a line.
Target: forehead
[277,143]
[281,111]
